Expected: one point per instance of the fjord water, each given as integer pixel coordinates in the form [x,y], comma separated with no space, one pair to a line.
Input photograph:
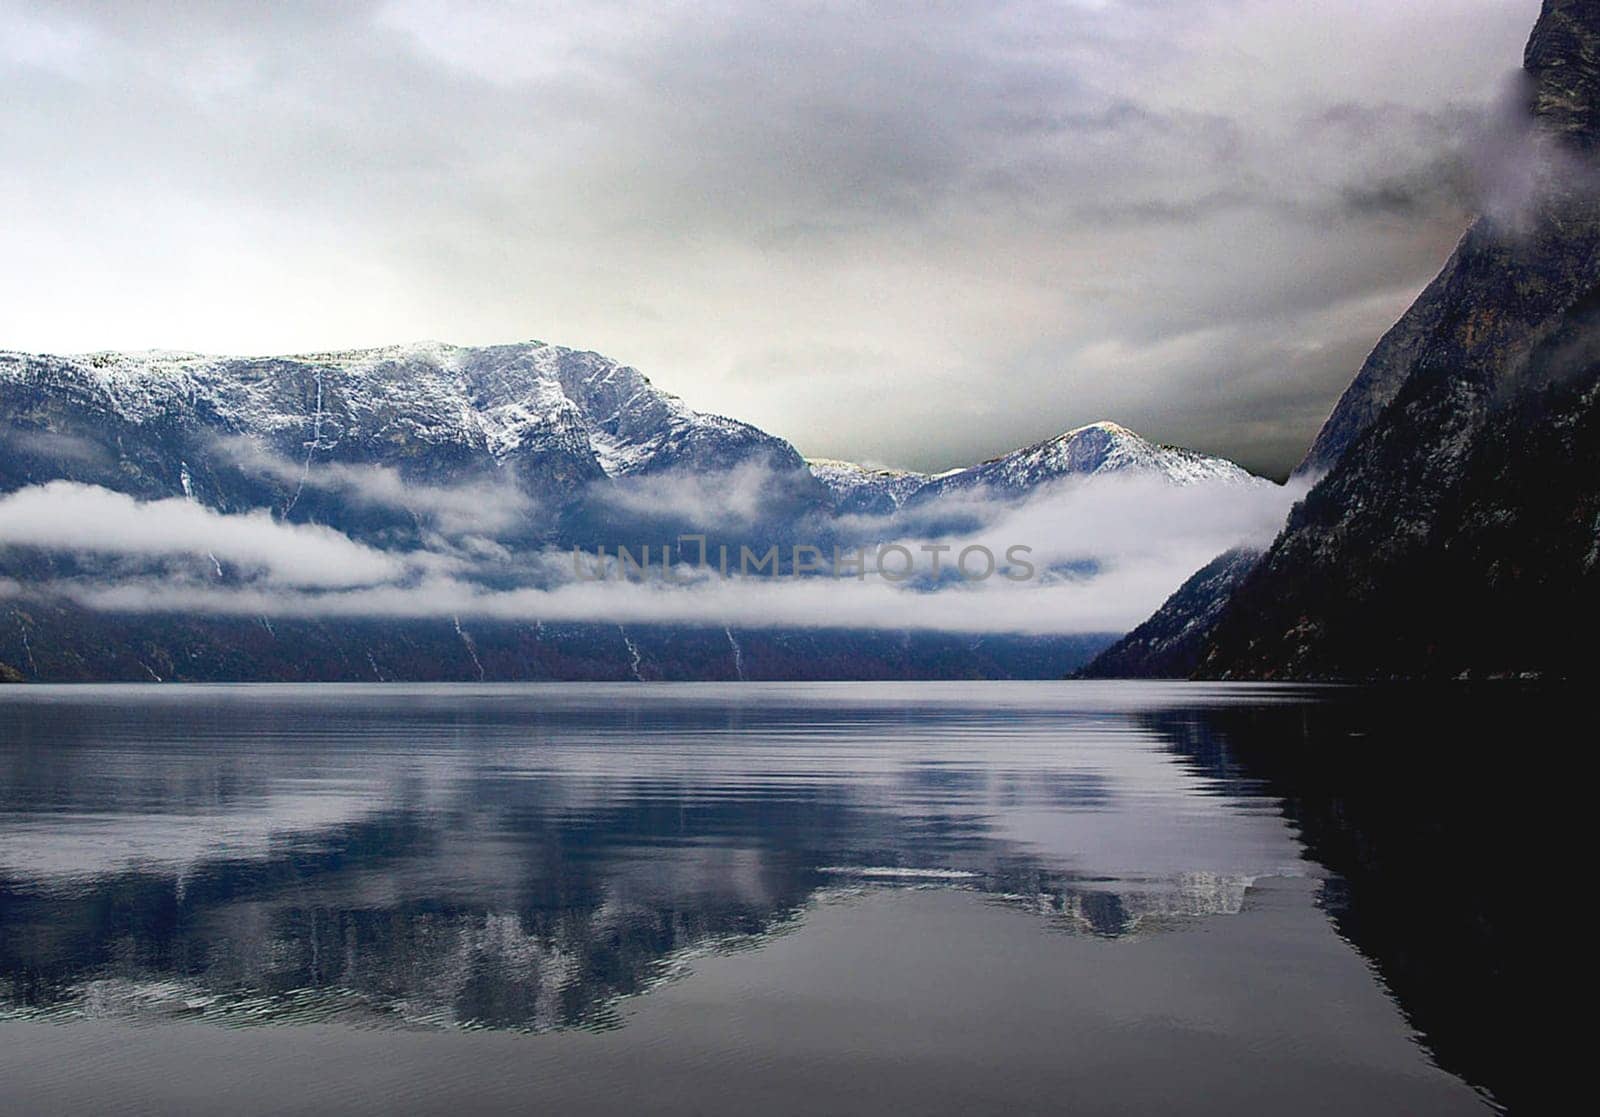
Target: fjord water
[1103,898]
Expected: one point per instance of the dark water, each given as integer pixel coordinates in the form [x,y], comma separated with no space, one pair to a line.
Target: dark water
[1097,898]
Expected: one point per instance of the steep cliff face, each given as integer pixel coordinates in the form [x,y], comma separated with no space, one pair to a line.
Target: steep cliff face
[56,641]
[1515,249]
[1457,530]
[1456,526]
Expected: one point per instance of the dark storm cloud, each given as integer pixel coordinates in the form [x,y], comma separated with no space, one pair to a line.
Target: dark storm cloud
[921,233]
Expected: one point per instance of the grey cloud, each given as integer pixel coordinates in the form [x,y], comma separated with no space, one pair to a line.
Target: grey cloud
[968,197]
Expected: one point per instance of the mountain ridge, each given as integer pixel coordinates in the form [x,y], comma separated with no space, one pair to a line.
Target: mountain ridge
[591,417]
[457,452]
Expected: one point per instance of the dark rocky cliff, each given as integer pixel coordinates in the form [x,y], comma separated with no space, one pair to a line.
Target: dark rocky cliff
[1459,532]
[1457,528]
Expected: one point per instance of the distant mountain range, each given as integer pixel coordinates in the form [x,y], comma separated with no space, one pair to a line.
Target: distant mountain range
[552,420]
[453,451]
[1455,528]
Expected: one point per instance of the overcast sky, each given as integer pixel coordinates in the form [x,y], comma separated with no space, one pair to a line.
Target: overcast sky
[918,234]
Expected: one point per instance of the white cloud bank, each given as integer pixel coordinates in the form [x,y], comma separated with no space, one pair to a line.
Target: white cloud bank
[67,516]
[1108,551]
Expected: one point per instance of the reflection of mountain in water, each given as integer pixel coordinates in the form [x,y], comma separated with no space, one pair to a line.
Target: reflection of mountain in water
[394,918]
[520,859]
[521,862]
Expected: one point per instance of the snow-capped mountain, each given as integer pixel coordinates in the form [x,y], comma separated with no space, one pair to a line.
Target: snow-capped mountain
[472,467]
[563,427]
[501,401]
[1097,449]
[864,490]
[558,425]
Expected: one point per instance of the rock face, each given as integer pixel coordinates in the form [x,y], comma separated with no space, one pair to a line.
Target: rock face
[1457,528]
[1563,61]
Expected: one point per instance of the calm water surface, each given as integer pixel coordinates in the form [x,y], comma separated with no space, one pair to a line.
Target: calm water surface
[1096,898]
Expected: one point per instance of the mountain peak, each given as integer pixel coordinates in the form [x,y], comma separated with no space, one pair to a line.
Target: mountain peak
[1105,426]
[1092,440]
[1095,448]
